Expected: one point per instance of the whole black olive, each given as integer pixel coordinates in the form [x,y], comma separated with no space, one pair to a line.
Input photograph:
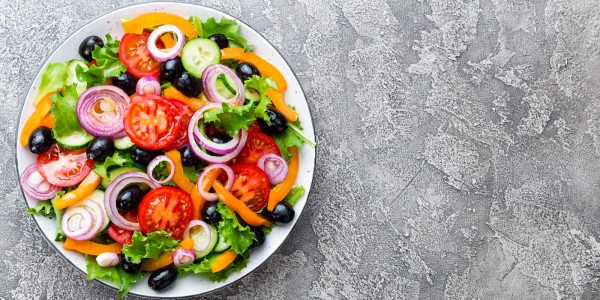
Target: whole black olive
[278,123]
[88,45]
[100,148]
[126,82]
[259,237]
[245,71]
[188,158]
[170,69]
[220,39]
[162,278]
[129,198]
[210,214]
[283,213]
[128,266]
[143,156]
[187,84]
[40,140]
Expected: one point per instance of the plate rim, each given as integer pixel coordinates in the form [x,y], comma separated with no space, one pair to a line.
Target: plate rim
[45,61]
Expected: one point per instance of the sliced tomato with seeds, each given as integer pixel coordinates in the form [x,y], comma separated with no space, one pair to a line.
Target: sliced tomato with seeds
[63,167]
[152,122]
[165,208]
[134,54]
[251,185]
[120,235]
[186,114]
[257,144]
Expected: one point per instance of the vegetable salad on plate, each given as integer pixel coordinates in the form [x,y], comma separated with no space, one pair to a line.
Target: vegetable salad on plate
[169,151]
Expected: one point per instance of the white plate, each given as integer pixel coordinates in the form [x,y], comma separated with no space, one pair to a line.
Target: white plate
[110,23]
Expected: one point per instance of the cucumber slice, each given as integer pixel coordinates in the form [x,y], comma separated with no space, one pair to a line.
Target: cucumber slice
[222,88]
[197,54]
[72,75]
[214,237]
[75,140]
[252,94]
[98,197]
[222,245]
[123,143]
[112,174]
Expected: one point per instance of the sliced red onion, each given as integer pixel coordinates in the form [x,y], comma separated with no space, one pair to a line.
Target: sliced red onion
[112,191]
[217,148]
[154,163]
[148,85]
[165,54]
[209,81]
[35,186]
[183,257]
[196,117]
[274,166]
[108,259]
[230,179]
[101,109]
[201,237]
[83,220]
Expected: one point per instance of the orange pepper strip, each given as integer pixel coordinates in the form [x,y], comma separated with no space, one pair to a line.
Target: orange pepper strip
[179,177]
[85,188]
[166,258]
[139,23]
[198,202]
[168,40]
[91,248]
[281,190]
[194,103]
[222,261]
[48,121]
[34,121]
[277,98]
[240,207]
[265,68]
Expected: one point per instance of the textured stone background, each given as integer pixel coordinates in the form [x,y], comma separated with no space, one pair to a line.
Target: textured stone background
[459,149]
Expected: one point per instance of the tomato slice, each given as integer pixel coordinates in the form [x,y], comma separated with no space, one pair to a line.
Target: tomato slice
[134,54]
[64,167]
[257,144]
[251,185]
[119,234]
[165,208]
[152,122]
[186,114]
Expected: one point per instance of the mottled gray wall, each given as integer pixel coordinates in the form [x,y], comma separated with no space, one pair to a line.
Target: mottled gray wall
[458,149]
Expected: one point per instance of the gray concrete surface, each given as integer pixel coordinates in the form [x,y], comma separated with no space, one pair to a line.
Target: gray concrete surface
[458,159]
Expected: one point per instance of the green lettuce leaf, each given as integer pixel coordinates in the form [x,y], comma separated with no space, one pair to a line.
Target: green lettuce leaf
[60,235]
[115,275]
[193,172]
[289,138]
[239,237]
[53,79]
[294,195]
[151,246]
[261,85]
[64,112]
[203,267]
[197,22]
[118,159]
[226,27]
[107,64]
[44,208]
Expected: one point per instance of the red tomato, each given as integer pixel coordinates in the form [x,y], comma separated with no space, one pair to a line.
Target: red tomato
[134,54]
[254,127]
[257,144]
[165,208]
[186,114]
[119,234]
[152,122]
[251,185]
[64,167]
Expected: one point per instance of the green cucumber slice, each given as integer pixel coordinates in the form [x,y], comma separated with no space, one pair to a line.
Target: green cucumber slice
[198,54]
[214,237]
[222,245]
[112,174]
[252,94]
[75,140]
[123,143]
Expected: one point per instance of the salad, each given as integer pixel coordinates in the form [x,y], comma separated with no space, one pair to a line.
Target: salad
[169,151]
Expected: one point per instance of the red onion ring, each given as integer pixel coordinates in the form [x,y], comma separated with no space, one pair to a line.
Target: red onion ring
[154,163]
[97,218]
[199,245]
[112,191]
[83,221]
[274,166]
[228,185]
[215,147]
[183,257]
[148,85]
[196,117]
[105,124]
[209,81]
[35,192]
[165,54]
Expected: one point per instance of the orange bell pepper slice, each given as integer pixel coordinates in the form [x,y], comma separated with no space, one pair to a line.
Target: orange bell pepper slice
[167,40]
[222,261]
[166,258]
[85,188]
[198,203]
[91,248]
[265,68]
[194,103]
[42,109]
[179,177]
[277,98]
[48,121]
[139,23]
[281,190]
[240,207]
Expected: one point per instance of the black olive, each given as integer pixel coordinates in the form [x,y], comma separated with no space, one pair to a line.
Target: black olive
[143,156]
[128,266]
[126,82]
[187,84]
[210,214]
[245,71]
[220,39]
[40,140]
[188,158]
[100,148]
[283,213]
[162,278]
[219,138]
[170,69]
[88,45]
[259,237]
[278,123]
[129,198]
